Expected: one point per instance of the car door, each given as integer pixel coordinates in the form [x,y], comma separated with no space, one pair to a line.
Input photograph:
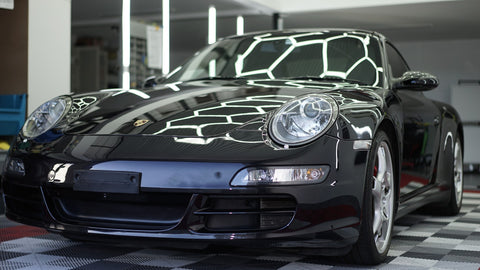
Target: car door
[421,131]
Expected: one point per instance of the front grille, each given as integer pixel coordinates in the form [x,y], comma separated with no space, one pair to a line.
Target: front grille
[246,213]
[23,200]
[152,211]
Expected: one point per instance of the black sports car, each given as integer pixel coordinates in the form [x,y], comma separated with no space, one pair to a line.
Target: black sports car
[301,138]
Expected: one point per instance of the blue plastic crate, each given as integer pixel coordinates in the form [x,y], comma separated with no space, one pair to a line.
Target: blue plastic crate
[12,113]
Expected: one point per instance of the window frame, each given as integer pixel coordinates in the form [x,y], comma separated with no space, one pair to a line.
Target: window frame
[387,58]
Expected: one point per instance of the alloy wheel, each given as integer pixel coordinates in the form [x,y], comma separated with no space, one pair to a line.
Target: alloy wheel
[458,172]
[383,197]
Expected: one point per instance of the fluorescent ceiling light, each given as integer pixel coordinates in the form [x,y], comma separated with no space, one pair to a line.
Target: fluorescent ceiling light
[126,44]
[212,24]
[240,25]
[285,6]
[166,36]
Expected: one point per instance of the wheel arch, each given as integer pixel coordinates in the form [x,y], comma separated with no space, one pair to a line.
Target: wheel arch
[460,135]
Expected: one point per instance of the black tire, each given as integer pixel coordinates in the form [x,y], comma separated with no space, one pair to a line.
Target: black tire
[456,183]
[372,246]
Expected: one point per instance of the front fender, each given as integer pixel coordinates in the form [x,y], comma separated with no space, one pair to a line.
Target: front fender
[360,125]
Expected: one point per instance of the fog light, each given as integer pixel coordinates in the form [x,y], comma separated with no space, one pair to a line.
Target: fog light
[16,166]
[281,176]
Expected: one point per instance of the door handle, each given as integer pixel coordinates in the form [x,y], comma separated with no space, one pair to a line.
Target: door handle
[436,120]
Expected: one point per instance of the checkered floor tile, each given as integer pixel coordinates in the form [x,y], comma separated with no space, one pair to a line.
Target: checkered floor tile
[420,242]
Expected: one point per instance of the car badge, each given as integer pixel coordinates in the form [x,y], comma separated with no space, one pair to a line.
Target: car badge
[140,122]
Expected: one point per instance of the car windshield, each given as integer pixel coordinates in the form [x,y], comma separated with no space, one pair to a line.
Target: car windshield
[323,55]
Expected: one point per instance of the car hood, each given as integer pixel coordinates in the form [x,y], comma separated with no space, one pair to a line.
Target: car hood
[197,109]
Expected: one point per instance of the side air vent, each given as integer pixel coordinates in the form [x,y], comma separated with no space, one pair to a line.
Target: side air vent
[246,213]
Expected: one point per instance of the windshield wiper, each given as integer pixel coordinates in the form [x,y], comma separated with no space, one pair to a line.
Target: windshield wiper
[327,78]
[215,78]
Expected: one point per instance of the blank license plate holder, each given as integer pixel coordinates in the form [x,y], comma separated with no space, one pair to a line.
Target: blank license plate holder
[106,181]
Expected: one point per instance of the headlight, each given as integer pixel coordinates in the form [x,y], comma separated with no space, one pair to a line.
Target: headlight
[46,116]
[302,120]
[296,175]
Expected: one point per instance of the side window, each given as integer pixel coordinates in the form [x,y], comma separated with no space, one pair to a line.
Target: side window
[395,61]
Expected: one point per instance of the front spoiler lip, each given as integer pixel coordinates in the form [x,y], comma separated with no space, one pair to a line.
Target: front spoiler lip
[342,223]
[345,236]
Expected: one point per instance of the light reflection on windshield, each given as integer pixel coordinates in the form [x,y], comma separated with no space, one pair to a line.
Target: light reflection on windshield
[320,55]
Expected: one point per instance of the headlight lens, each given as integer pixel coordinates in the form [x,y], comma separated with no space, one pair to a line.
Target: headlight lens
[296,175]
[45,117]
[301,120]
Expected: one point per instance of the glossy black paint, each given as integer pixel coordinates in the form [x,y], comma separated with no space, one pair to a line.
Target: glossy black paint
[414,80]
[187,141]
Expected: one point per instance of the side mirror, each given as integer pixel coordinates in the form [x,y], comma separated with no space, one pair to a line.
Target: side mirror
[416,80]
[151,81]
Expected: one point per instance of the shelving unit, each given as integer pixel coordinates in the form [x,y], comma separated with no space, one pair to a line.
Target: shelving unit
[139,69]
[138,65]
[89,69]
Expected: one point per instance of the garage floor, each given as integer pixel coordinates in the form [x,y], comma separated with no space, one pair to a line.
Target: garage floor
[420,242]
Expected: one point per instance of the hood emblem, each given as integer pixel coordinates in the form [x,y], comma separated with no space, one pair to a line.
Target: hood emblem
[140,122]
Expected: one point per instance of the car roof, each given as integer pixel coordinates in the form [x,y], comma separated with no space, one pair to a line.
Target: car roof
[308,30]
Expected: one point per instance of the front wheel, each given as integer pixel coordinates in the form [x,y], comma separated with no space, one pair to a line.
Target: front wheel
[456,193]
[378,205]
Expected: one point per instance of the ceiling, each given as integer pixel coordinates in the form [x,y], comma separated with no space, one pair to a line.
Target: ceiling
[400,20]
[88,12]
[285,6]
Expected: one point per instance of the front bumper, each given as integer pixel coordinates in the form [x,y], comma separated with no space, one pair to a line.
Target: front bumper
[194,201]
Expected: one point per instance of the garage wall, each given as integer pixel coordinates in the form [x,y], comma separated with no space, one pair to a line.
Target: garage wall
[13,49]
[195,31]
[48,50]
[179,57]
[452,61]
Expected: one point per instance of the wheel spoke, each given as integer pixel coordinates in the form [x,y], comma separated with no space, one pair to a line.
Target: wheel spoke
[377,223]
[377,188]
[387,186]
[458,172]
[381,163]
[388,199]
